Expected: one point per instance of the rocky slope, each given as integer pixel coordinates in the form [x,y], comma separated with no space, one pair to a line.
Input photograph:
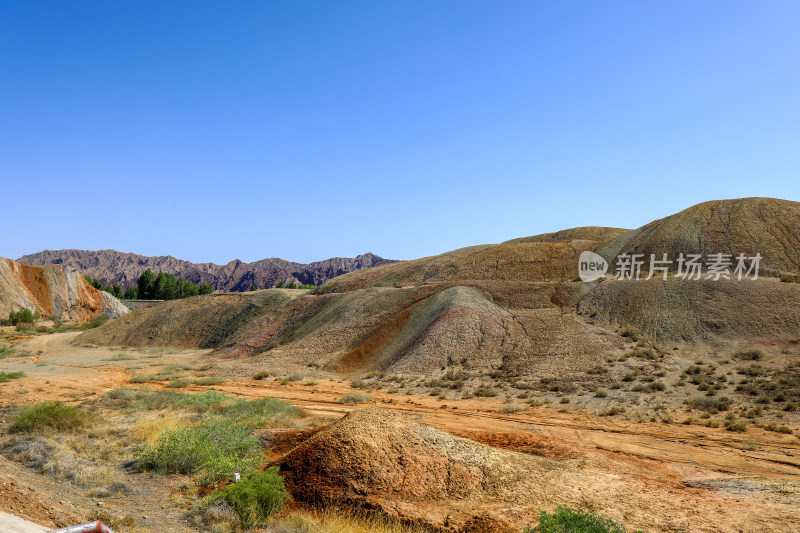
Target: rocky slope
[766,226]
[507,307]
[110,266]
[53,290]
[384,460]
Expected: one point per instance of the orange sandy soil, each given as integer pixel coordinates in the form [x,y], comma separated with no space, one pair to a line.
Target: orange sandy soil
[755,472]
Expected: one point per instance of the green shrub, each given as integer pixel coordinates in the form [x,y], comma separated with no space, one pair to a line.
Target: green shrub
[8,376]
[218,447]
[565,520]
[21,317]
[355,397]
[143,378]
[710,404]
[122,393]
[485,392]
[205,400]
[631,332]
[261,375]
[750,355]
[511,408]
[53,415]
[95,322]
[211,380]
[733,425]
[255,497]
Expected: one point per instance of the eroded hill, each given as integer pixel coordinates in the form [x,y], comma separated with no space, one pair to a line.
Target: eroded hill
[516,308]
[53,290]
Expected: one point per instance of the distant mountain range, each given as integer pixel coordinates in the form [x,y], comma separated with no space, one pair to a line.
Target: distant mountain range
[110,266]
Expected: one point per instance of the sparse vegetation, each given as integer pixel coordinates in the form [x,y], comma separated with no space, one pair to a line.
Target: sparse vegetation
[218,448]
[23,317]
[49,415]
[749,355]
[565,520]
[355,397]
[254,498]
[485,392]
[8,376]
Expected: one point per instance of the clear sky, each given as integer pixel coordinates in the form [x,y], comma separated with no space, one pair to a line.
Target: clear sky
[304,130]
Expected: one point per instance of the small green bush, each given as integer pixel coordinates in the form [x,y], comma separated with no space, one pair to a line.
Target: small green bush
[8,376]
[21,317]
[631,332]
[206,400]
[565,520]
[485,392]
[255,497]
[122,393]
[218,447]
[511,408]
[261,375]
[750,355]
[355,397]
[54,415]
[95,322]
[143,378]
[211,380]
[710,404]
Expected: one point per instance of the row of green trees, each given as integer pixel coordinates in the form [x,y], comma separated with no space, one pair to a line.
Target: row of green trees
[167,287]
[23,316]
[116,290]
[152,287]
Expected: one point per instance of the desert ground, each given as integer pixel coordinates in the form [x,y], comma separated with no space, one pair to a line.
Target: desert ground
[657,474]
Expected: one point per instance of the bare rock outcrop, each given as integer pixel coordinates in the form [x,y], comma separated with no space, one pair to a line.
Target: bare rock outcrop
[53,290]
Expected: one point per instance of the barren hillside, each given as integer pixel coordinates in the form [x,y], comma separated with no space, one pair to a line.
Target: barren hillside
[599,234]
[508,308]
[53,290]
[767,226]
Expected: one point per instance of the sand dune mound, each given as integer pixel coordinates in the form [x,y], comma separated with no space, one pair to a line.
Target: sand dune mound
[749,225]
[599,234]
[700,310]
[196,322]
[53,290]
[530,261]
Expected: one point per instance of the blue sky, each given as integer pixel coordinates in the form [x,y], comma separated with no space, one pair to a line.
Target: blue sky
[304,130]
